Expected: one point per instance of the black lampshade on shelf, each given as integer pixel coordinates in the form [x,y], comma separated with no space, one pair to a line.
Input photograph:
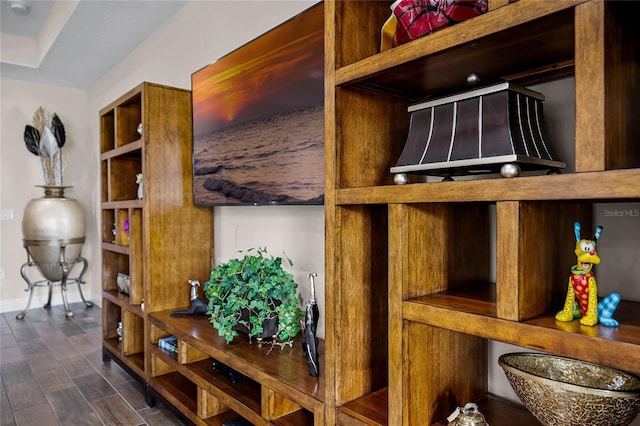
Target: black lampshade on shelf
[493,129]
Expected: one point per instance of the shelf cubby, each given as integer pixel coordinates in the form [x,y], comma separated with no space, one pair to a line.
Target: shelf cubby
[122,178]
[364,298]
[500,412]
[531,281]
[186,396]
[107,132]
[112,264]
[122,226]
[179,391]
[439,355]
[491,45]
[446,247]
[132,333]
[108,226]
[128,117]
[370,409]
[111,316]
[366,119]
[130,345]
[245,394]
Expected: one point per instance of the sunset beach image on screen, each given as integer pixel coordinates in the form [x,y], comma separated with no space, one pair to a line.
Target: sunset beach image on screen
[258,119]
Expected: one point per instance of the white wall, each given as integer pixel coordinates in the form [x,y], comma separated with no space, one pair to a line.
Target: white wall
[20,172]
[201,32]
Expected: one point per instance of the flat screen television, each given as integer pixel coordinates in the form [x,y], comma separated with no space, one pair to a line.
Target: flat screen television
[258,119]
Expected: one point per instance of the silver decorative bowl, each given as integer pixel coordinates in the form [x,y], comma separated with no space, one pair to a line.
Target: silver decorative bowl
[568,392]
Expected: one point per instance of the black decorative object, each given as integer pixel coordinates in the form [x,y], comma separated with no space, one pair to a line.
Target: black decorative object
[238,422]
[309,339]
[269,326]
[198,306]
[497,128]
[228,372]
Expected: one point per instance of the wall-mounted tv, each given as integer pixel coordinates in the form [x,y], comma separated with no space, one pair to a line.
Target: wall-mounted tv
[258,119]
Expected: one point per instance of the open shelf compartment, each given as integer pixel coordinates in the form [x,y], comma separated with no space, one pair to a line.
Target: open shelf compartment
[122,173]
[361,301]
[129,347]
[516,42]
[128,118]
[217,393]
[443,253]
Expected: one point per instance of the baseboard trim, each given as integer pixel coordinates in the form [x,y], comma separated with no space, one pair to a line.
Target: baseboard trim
[40,298]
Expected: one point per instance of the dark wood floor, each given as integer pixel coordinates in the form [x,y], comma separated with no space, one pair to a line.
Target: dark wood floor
[52,374]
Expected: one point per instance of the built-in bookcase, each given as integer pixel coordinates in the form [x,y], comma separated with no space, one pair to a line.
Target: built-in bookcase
[159,241]
[411,303]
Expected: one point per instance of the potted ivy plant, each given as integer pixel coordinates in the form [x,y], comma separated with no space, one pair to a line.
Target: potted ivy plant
[254,295]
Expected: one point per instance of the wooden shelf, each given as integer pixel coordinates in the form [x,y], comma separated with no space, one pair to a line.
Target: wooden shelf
[116,248]
[285,371]
[370,409]
[506,41]
[131,149]
[477,299]
[297,418]
[602,186]
[122,300]
[123,204]
[180,392]
[501,412]
[245,394]
[592,344]
[135,361]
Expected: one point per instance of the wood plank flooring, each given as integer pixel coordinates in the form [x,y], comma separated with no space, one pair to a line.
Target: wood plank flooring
[52,374]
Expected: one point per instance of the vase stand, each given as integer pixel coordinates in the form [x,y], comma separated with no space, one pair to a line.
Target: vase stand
[62,278]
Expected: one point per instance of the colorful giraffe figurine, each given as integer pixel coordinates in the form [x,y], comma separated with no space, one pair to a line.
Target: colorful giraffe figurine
[582,293]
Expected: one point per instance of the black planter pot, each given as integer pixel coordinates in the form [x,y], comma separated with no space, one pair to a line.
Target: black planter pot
[270,326]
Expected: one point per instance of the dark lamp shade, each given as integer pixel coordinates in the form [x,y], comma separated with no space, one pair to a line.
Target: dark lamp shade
[477,132]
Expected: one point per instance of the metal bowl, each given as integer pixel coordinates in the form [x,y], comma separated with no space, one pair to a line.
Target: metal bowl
[564,391]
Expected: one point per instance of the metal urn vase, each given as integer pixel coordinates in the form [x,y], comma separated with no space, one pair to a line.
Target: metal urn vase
[53,229]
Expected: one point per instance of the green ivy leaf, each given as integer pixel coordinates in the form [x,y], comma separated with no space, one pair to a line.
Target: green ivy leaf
[256,282]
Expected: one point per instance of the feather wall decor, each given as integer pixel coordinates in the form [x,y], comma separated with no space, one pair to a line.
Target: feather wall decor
[45,139]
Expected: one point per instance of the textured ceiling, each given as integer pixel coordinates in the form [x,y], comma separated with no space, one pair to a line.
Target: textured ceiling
[73,43]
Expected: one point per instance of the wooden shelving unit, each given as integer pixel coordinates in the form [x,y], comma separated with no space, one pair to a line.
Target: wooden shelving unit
[411,304]
[277,390]
[160,241]
[168,242]
[166,245]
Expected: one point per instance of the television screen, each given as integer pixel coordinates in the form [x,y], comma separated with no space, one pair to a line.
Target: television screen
[258,119]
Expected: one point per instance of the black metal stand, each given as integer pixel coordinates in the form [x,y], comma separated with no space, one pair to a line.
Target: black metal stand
[66,268]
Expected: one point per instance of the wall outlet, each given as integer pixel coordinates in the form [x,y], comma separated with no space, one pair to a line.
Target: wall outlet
[6,214]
